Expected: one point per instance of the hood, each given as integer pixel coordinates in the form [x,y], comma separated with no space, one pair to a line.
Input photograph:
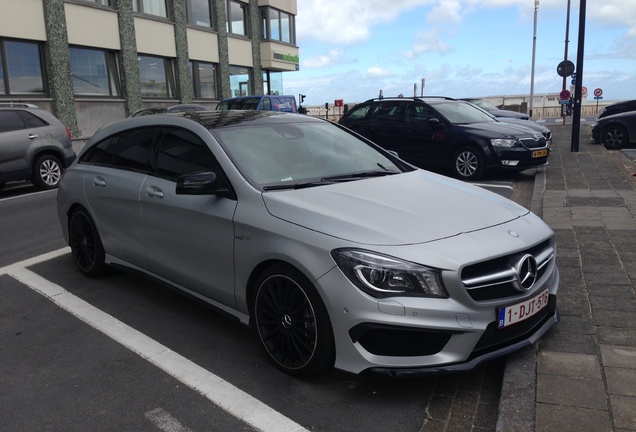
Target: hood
[409,208]
[499,129]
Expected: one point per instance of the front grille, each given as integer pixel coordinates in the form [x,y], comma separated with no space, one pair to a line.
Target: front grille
[496,279]
[530,143]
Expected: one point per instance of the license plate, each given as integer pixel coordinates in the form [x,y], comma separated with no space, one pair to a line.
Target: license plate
[518,312]
[540,153]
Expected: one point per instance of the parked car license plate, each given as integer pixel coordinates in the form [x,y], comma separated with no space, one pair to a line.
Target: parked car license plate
[540,153]
[518,312]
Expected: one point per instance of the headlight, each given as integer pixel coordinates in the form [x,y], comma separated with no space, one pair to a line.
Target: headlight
[501,142]
[384,276]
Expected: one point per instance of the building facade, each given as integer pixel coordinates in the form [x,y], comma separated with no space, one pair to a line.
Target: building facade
[91,62]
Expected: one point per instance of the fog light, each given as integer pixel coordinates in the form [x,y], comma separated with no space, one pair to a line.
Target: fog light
[510,162]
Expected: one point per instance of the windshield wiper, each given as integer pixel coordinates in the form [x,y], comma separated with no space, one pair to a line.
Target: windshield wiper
[302,185]
[359,175]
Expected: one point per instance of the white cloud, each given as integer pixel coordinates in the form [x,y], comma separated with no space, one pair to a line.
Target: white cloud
[346,21]
[377,72]
[332,58]
[447,11]
[427,42]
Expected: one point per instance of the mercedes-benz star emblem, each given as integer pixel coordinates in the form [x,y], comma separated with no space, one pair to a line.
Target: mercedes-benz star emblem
[526,273]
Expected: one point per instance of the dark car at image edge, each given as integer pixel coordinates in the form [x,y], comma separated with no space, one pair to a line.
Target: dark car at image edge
[455,135]
[615,131]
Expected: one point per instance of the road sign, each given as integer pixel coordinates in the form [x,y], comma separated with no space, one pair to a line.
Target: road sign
[583,91]
[565,95]
[565,68]
[598,92]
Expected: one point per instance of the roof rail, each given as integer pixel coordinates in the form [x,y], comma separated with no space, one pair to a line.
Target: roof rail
[17,105]
[410,98]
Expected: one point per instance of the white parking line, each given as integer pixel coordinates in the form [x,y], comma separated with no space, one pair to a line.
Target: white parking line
[223,394]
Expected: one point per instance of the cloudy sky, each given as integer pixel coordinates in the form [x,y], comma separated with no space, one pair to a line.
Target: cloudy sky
[350,49]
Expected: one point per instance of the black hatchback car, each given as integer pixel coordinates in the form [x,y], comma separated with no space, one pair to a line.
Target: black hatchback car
[447,133]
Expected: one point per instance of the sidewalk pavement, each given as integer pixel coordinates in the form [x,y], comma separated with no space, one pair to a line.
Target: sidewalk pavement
[581,376]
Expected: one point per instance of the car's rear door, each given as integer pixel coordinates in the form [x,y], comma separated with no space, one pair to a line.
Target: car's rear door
[114,171]
[189,238]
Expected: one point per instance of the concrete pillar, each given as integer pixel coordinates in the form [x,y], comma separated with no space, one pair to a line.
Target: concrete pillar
[129,66]
[224,60]
[58,59]
[184,89]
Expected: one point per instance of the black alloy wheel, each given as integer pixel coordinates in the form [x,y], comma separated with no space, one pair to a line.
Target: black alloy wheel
[86,246]
[468,163]
[614,137]
[293,323]
[47,172]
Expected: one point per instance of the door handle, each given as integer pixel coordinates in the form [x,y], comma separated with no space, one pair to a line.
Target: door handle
[99,181]
[154,192]
[33,136]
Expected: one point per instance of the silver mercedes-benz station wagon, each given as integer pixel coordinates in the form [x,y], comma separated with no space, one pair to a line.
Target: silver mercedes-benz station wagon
[338,253]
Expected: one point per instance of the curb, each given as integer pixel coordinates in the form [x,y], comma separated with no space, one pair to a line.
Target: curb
[517,403]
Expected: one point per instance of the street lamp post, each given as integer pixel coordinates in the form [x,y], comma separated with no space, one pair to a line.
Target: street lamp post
[534,50]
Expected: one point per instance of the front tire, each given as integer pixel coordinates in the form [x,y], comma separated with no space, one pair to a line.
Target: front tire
[86,246]
[468,163]
[614,137]
[47,172]
[292,322]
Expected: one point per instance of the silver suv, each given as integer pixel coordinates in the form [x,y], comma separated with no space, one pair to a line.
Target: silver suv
[34,146]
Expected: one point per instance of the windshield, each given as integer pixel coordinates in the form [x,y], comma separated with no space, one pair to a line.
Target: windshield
[279,154]
[239,104]
[485,105]
[462,113]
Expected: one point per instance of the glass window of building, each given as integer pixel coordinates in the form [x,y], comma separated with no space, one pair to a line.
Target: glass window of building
[156,76]
[100,2]
[94,72]
[204,80]
[240,81]
[273,83]
[22,71]
[278,25]
[151,7]
[237,18]
[200,13]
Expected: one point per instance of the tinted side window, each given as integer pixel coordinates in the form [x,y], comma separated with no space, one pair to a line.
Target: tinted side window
[266,104]
[390,114]
[128,150]
[32,120]
[419,114]
[10,121]
[182,152]
[358,113]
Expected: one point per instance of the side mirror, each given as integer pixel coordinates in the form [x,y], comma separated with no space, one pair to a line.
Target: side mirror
[435,123]
[201,183]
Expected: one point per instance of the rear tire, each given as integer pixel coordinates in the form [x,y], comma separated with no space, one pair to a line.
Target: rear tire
[468,163]
[614,137]
[86,246]
[292,322]
[47,172]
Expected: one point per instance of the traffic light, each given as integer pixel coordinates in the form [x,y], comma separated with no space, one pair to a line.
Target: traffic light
[302,98]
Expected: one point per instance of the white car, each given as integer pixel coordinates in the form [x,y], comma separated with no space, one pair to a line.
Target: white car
[337,252]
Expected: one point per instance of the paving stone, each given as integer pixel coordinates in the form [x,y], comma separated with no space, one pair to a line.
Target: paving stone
[569,364]
[614,318]
[617,336]
[624,291]
[569,391]
[618,356]
[556,418]
[624,411]
[621,381]
[613,303]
